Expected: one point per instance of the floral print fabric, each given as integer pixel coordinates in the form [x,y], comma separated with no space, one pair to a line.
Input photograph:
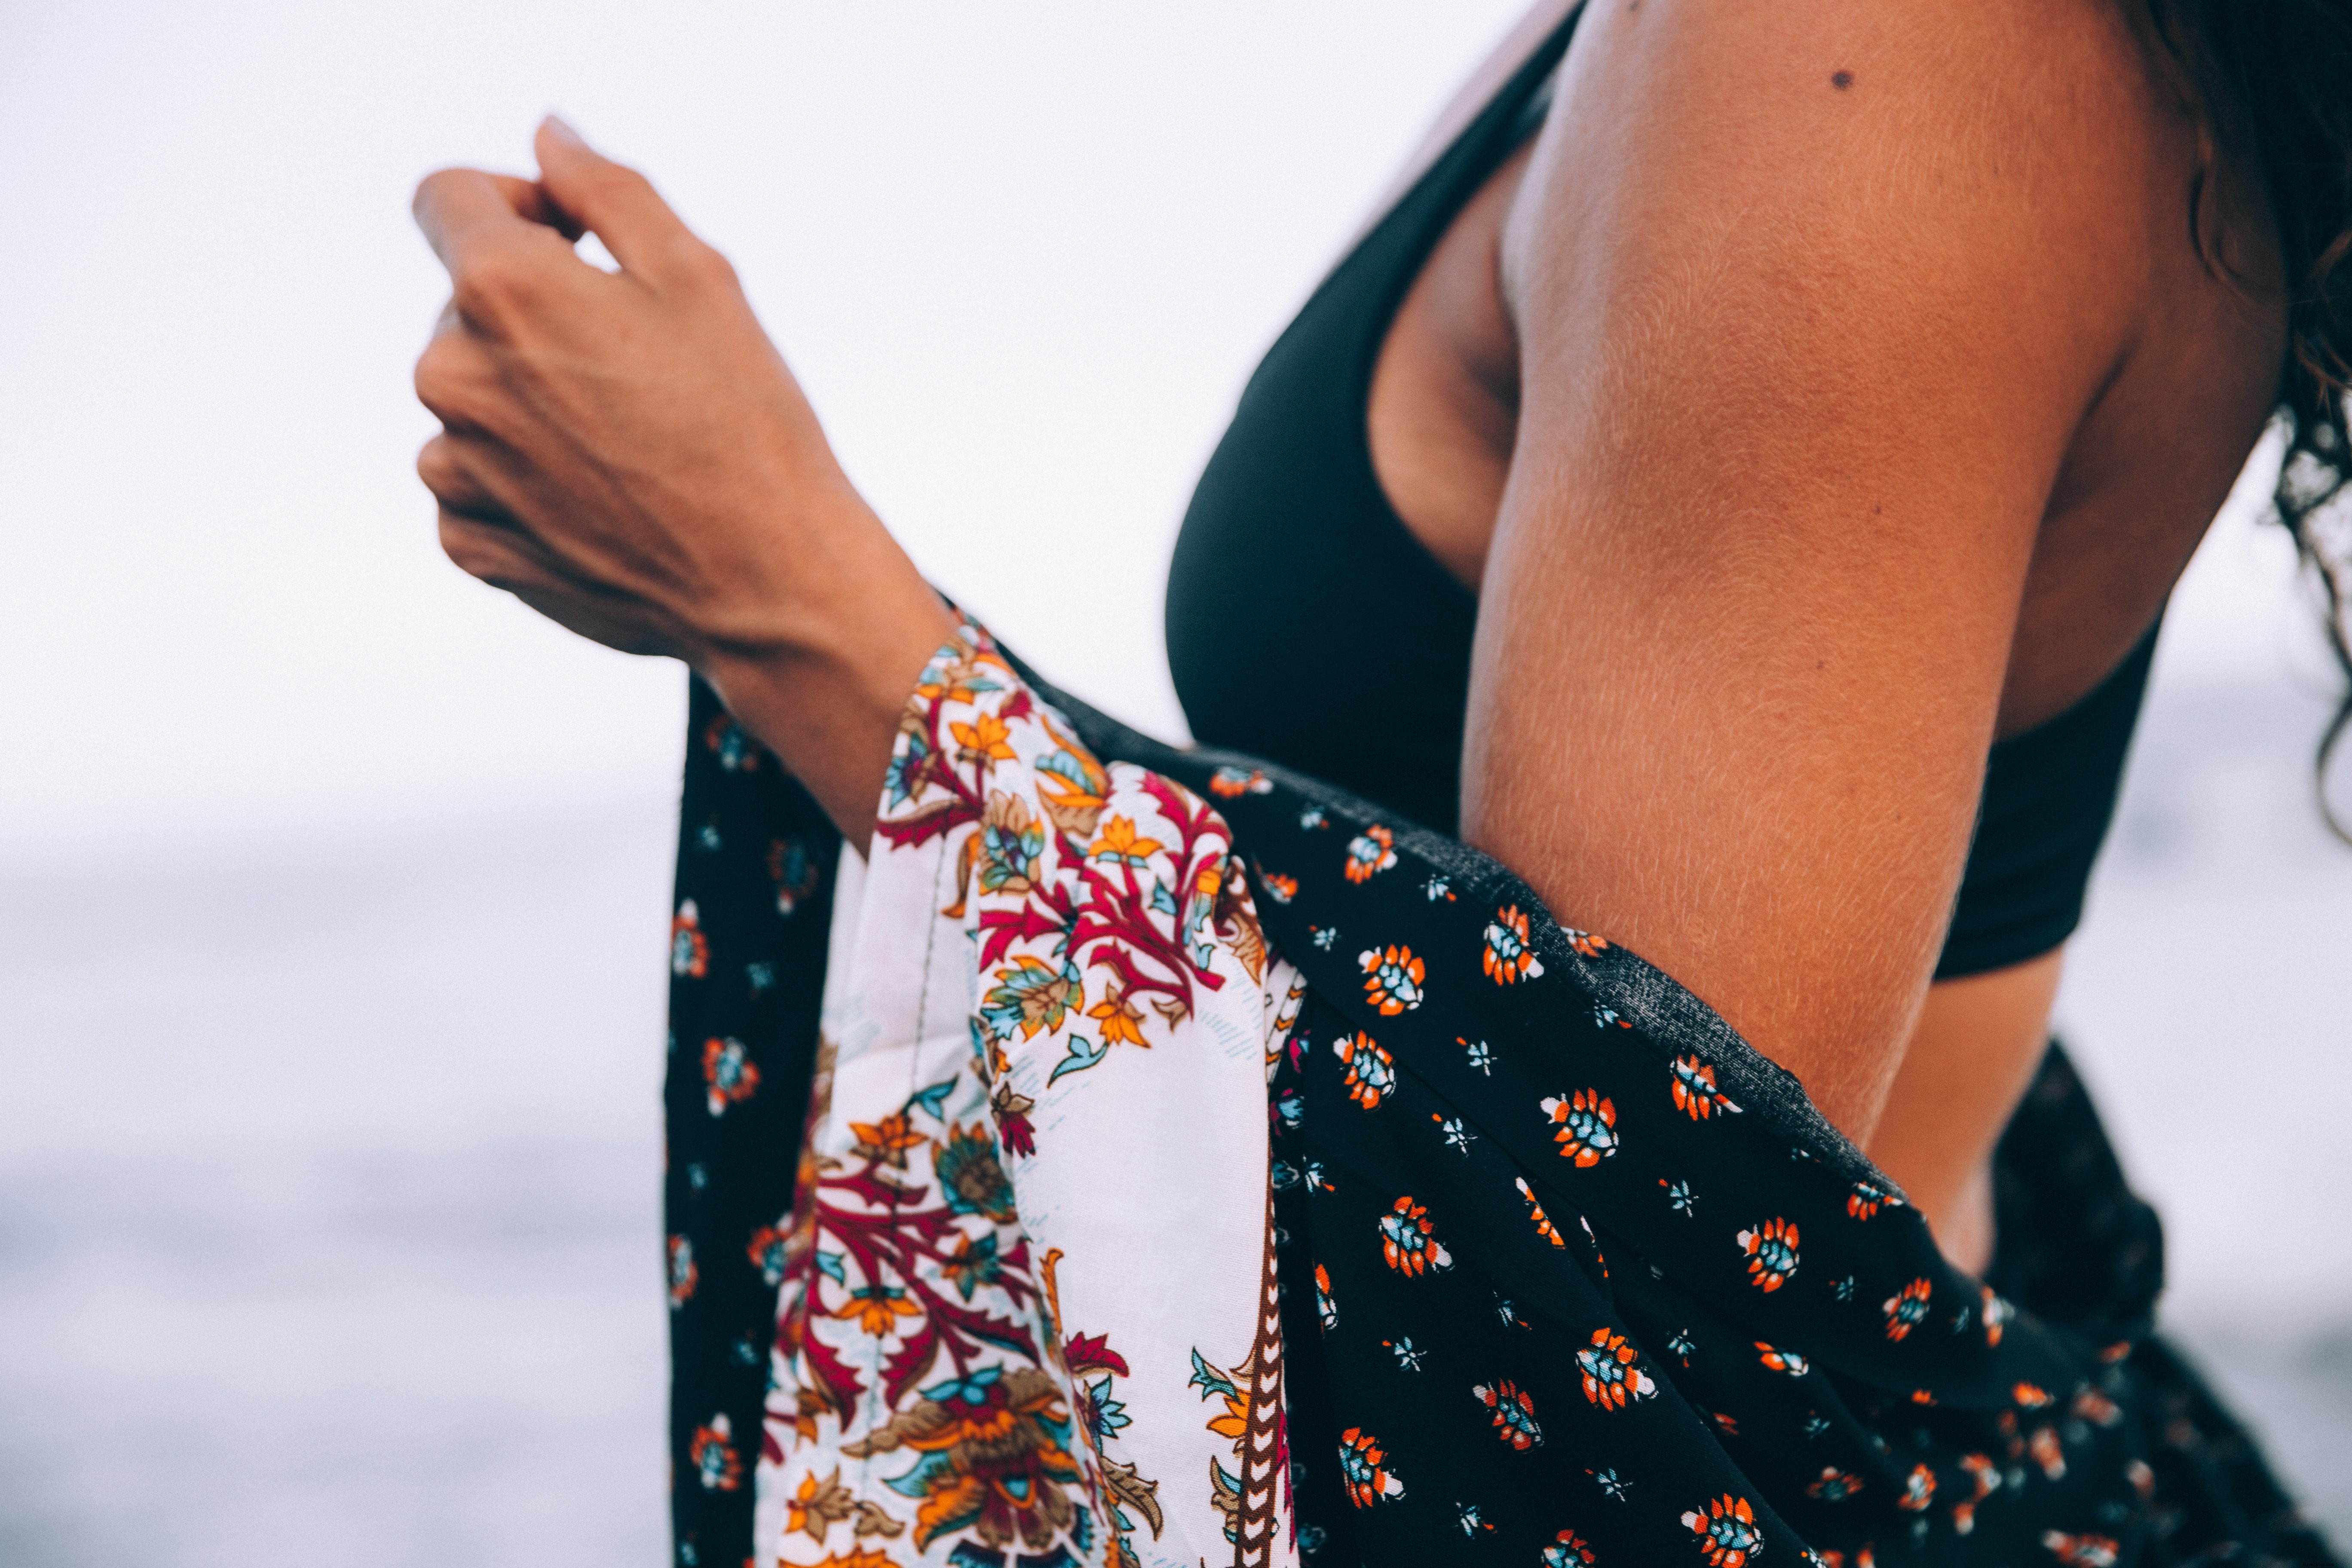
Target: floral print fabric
[1027,1304]
[1567,1272]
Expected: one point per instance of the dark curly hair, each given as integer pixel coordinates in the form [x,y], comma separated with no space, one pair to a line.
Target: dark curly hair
[2274,77]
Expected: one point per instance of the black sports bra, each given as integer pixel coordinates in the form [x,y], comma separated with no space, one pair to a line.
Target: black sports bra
[1306,623]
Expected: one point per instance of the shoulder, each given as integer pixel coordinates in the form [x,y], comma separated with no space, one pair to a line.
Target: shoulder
[1949,179]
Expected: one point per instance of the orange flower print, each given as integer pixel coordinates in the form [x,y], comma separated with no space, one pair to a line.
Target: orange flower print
[1281,889]
[1369,853]
[793,870]
[689,951]
[1229,784]
[736,751]
[768,1255]
[1613,1377]
[1584,941]
[1997,1311]
[1120,1018]
[2096,1408]
[2081,1551]
[1544,1226]
[982,741]
[682,1271]
[1327,1313]
[1409,1242]
[1371,1072]
[1567,1550]
[728,1073]
[1362,1468]
[1588,1126]
[1906,1309]
[1695,1092]
[1393,979]
[2031,1395]
[712,1455]
[1834,1485]
[1868,1198]
[1120,846]
[1509,958]
[1983,1471]
[1771,1250]
[2044,1447]
[1918,1490]
[1515,1413]
[887,1140]
[1777,1360]
[1727,1536]
[878,1309]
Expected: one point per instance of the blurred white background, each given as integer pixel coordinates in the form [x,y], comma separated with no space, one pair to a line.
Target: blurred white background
[332,886]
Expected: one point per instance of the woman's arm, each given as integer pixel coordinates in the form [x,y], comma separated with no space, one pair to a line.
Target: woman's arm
[628,455]
[1811,299]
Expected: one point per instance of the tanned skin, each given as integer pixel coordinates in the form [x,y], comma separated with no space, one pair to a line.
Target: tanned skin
[1833,387]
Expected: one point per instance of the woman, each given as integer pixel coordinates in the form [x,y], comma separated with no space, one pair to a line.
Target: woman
[1734,486]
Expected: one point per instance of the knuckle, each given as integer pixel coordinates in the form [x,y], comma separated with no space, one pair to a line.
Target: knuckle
[442,383]
[703,264]
[495,285]
[443,472]
[469,548]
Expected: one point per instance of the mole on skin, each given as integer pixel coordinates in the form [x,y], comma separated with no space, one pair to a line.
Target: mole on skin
[1842,81]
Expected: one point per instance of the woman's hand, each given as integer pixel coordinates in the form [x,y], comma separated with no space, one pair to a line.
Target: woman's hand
[627,454]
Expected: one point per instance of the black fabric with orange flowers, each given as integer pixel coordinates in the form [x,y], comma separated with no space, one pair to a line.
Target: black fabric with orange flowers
[754,903]
[1573,1274]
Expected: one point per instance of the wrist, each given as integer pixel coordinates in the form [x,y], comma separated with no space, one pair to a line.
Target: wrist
[822,678]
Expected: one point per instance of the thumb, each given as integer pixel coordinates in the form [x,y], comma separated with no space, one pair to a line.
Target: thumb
[611,199]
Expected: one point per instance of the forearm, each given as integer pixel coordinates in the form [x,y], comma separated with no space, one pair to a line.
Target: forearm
[827,696]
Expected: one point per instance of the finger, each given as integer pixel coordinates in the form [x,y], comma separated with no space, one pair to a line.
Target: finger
[442,465]
[533,204]
[617,202]
[460,210]
[512,562]
[458,380]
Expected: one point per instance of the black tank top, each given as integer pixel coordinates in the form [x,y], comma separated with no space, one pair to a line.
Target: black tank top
[1308,625]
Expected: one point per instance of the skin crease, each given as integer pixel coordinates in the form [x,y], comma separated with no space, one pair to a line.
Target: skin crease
[1809,435]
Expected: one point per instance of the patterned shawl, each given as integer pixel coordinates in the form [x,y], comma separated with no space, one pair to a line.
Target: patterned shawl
[1154,1157]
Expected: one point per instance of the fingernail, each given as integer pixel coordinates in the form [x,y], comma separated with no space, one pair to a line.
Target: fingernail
[561,131]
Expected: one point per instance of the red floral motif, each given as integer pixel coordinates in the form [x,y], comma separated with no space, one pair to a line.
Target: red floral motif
[1371,1073]
[1566,1548]
[1514,1411]
[1613,1372]
[1588,1126]
[2082,1551]
[1868,1198]
[1393,979]
[1919,1490]
[1409,1242]
[1363,1469]
[1369,853]
[1544,1227]
[1727,1536]
[1771,1250]
[1510,955]
[1834,1485]
[1906,1308]
[712,1455]
[1695,1092]
[729,1074]
[689,950]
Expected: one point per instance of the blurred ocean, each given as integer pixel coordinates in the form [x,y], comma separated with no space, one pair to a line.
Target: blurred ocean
[328,1215]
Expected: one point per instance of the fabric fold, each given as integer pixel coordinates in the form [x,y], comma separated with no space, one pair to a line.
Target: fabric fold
[1558,1271]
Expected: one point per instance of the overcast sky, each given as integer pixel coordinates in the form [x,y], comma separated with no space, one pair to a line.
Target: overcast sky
[1023,255]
